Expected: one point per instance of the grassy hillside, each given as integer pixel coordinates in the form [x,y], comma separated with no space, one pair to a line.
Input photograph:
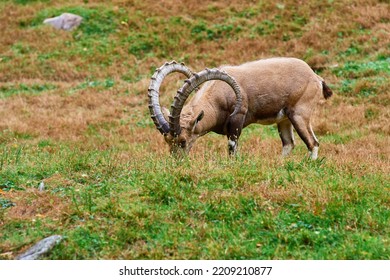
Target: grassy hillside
[73,114]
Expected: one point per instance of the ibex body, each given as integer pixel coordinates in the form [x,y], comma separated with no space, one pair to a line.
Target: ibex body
[284,91]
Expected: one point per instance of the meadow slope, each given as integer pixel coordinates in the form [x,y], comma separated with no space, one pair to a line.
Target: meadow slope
[74,115]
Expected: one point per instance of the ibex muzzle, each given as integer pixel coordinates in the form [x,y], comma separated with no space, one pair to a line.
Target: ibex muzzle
[284,91]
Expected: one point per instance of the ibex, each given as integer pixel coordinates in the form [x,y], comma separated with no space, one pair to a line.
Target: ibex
[280,90]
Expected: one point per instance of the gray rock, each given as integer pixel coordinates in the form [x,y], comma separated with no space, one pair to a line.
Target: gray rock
[40,248]
[66,21]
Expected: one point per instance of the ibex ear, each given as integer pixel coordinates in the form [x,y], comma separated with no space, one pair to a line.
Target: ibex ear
[197,120]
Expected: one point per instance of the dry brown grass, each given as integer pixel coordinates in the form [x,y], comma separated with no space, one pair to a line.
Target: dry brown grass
[33,205]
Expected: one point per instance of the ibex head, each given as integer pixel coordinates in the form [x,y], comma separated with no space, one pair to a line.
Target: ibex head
[180,128]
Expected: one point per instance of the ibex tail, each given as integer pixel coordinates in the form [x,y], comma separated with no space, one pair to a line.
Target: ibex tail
[326,91]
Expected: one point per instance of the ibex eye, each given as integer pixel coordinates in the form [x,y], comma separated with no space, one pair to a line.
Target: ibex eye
[183,143]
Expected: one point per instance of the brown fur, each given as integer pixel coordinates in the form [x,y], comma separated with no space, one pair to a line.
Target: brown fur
[284,91]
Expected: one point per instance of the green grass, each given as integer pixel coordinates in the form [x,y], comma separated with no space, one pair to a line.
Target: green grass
[23,89]
[99,21]
[120,209]
[111,188]
[363,78]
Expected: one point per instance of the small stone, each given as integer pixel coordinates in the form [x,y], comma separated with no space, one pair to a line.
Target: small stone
[41,248]
[66,21]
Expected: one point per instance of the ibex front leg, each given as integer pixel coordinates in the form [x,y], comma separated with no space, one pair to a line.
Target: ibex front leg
[234,128]
[285,129]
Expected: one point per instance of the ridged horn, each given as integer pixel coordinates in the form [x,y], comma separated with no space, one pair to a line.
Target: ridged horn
[153,92]
[190,85]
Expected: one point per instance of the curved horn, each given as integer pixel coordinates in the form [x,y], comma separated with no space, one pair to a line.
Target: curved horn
[190,85]
[153,92]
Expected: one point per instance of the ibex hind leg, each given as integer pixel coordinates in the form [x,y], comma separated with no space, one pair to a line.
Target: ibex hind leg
[303,127]
[286,134]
